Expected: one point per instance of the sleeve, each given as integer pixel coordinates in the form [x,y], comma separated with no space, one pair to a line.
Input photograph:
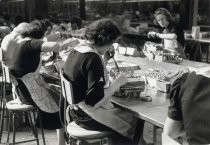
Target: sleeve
[174,109]
[36,44]
[95,90]
[178,30]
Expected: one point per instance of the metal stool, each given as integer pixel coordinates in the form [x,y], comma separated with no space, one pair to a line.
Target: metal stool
[3,88]
[77,134]
[81,136]
[3,110]
[16,108]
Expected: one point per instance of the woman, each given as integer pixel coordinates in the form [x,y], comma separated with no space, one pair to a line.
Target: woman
[171,33]
[189,106]
[25,66]
[86,70]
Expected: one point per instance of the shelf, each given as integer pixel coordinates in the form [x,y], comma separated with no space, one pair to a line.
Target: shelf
[205,26]
[129,1]
[12,0]
[119,1]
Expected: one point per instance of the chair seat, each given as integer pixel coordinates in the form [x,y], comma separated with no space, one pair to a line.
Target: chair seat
[16,105]
[78,132]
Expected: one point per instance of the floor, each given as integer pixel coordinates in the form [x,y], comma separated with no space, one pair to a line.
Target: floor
[51,138]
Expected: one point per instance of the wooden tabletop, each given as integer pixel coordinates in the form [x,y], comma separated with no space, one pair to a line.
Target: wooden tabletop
[203,40]
[145,63]
[154,112]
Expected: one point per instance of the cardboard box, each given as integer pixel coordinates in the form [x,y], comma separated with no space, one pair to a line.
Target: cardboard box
[163,86]
[160,85]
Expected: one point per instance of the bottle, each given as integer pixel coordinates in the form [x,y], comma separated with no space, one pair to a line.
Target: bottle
[195,32]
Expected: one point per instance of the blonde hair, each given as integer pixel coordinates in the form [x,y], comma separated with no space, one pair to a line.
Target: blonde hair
[21,28]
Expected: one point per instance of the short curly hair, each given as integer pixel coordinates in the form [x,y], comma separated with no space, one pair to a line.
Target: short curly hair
[102,32]
[164,12]
[46,23]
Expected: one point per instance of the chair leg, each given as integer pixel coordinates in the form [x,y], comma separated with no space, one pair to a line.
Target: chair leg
[154,134]
[33,127]
[109,141]
[2,121]
[14,129]
[2,107]
[70,141]
[101,141]
[9,127]
[41,127]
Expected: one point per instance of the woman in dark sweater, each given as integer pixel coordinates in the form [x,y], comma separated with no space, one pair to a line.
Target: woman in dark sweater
[189,106]
[25,66]
[86,70]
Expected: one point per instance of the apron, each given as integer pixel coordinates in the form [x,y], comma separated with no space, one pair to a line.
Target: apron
[119,120]
[174,47]
[114,118]
[39,91]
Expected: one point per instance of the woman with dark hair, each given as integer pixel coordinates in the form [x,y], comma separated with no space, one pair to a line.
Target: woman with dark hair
[86,70]
[171,33]
[48,26]
[76,23]
[25,66]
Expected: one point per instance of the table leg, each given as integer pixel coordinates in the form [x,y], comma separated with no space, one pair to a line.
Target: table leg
[207,56]
[154,134]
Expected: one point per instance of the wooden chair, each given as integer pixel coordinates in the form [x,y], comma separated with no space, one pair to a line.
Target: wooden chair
[167,140]
[2,97]
[76,133]
[17,109]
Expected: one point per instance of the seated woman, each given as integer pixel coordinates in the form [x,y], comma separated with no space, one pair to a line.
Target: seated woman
[189,106]
[86,70]
[171,33]
[25,66]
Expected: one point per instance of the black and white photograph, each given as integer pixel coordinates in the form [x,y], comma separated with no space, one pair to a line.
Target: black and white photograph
[105,72]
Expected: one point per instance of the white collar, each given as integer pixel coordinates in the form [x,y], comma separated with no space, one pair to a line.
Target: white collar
[85,48]
[205,71]
[20,39]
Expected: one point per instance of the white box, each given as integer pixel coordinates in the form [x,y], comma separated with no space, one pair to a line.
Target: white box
[122,50]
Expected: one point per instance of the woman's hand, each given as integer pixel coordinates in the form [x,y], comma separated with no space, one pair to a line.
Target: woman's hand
[105,102]
[109,54]
[119,81]
[152,34]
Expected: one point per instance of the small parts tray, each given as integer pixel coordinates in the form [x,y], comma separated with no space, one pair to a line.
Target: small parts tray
[130,90]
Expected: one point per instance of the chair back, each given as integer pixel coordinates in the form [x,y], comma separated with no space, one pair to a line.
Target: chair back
[5,69]
[5,73]
[167,140]
[66,88]
[1,54]
[8,78]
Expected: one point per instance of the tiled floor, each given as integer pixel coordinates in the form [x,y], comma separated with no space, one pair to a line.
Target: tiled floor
[51,138]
